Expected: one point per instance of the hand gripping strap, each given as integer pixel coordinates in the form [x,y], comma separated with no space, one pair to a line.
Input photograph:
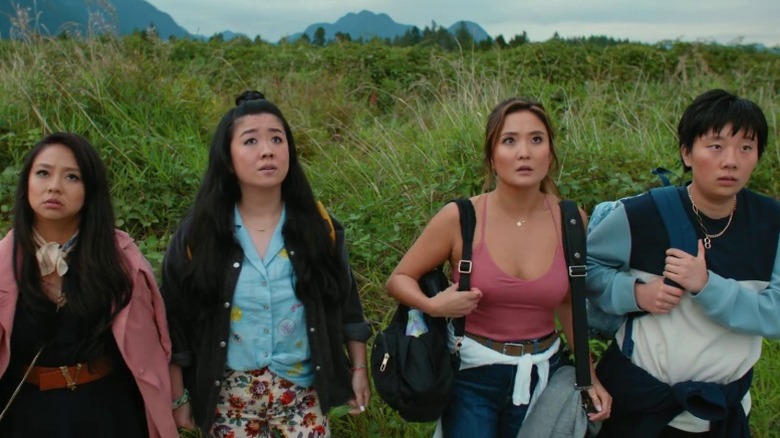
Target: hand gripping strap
[681,234]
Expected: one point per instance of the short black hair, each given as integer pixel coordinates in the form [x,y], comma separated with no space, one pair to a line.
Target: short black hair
[713,110]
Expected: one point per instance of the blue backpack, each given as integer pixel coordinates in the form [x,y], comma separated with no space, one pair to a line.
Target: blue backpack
[681,235]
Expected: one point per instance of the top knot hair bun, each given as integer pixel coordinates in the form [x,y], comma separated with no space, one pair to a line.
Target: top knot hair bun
[248,96]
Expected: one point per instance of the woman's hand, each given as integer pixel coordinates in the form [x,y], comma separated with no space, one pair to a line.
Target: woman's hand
[182,416]
[687,270]
[601,400]
[657,297]
[361,389]
[453,303]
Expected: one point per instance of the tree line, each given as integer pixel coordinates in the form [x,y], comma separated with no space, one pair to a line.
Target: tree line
[439,36]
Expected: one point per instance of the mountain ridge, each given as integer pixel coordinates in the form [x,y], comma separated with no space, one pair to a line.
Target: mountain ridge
[366,24]
[77,16]
[123,17]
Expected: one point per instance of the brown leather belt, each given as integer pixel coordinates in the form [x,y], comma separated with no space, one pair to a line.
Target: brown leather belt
[47,378]
[520,348]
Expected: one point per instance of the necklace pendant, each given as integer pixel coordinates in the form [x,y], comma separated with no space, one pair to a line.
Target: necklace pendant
[519,223]
[61,300]
[707,243]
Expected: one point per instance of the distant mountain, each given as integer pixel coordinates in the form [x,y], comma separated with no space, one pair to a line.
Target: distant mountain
[474,29]
[367,25]
[52,17]
[226,35]
[364,24]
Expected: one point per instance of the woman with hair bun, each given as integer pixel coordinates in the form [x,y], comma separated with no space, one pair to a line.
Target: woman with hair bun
[267,327]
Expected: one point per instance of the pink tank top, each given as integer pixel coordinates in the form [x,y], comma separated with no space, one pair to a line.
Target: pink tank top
[512,309]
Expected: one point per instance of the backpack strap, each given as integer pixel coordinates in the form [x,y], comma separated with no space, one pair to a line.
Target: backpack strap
[573,231]
[325,215]
[468,222]
[681,234]
[663,175]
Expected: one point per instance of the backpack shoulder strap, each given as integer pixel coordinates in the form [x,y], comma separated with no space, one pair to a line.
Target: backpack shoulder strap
[325,215]
[663,175]
[681,235]
[679,228]
[468,221]
[573,233]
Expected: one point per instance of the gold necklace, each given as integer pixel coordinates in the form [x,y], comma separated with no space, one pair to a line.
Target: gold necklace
[61,300]
[519,223]
[58,298]
[708,237]
[266,227]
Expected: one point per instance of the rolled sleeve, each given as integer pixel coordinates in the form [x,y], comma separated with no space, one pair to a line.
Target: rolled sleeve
[357,332]
[355,326]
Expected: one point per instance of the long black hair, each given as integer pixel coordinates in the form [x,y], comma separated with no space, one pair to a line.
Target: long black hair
[97,283]
[210,240]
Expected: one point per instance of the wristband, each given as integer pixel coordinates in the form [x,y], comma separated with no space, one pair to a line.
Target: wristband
[181,401]
[189,433]
[358,368]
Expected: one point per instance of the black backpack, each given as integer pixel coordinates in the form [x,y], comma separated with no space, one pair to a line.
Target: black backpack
[414,375]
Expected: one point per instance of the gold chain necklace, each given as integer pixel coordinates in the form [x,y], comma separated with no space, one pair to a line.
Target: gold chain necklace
[264,228]
[708,237]
[519,223]
[58,298]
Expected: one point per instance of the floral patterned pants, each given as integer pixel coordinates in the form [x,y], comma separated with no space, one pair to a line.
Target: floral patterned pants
[260,404]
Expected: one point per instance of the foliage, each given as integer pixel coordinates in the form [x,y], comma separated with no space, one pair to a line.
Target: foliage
[387,134]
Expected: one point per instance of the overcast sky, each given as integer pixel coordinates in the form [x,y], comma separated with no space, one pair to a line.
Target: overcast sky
[723,21]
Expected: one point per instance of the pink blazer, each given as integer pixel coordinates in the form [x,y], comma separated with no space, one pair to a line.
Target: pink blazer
[140,330]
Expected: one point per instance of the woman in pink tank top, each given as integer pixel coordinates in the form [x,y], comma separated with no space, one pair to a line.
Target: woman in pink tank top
[519,279]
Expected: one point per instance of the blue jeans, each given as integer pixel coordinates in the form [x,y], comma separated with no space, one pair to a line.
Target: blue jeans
[481,403]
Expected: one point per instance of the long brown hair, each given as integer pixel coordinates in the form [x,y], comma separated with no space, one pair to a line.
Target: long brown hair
[495,124]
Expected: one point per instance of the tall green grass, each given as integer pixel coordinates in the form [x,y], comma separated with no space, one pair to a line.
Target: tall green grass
[387,135]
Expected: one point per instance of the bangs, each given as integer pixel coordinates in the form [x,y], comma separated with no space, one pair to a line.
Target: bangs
[742,115]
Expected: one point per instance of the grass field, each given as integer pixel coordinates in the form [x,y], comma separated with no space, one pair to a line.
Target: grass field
[386,134]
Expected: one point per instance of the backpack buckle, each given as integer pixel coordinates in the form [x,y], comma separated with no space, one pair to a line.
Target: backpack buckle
[464,266]
[578,271]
